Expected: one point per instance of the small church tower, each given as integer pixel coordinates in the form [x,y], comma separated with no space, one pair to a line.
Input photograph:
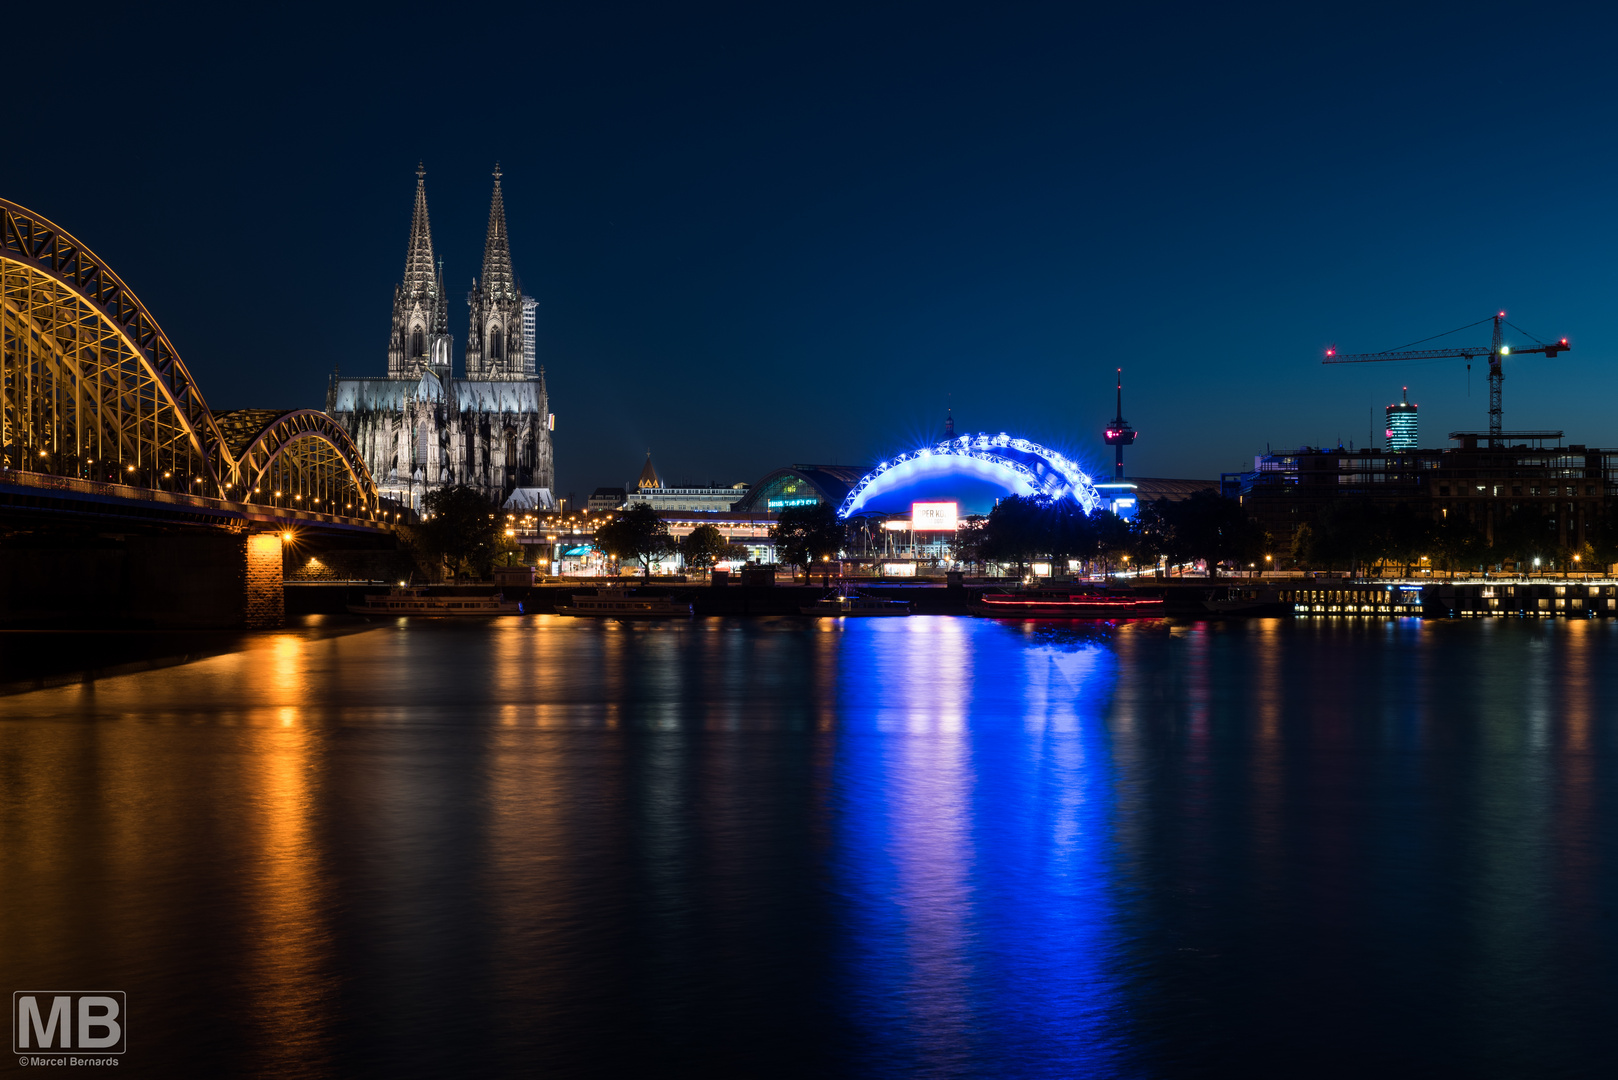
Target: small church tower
[648,476]
[496,348]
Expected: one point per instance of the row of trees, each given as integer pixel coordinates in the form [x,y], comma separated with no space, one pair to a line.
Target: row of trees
[638,535]
[803,535]
[1357,536]
[462,533]
[1021,530]
[1361,536]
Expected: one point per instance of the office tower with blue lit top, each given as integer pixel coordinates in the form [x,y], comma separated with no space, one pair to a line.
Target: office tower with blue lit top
[1401,431]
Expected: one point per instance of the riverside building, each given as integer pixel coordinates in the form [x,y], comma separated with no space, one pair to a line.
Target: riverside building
[686,499]
[1569,487]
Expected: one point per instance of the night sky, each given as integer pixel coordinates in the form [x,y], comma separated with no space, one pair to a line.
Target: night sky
[762,235]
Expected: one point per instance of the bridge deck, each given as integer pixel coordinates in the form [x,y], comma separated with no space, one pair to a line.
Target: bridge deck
[47,493]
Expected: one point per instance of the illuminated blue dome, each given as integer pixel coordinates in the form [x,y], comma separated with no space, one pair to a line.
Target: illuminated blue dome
[973,471]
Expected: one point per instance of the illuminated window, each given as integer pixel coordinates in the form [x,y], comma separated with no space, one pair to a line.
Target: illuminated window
[416,342]
[494,344]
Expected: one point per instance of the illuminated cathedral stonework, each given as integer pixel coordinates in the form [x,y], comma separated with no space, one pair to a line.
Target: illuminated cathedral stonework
[421,428]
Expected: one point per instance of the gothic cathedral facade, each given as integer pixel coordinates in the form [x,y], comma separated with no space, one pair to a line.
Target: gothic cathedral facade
[421,428]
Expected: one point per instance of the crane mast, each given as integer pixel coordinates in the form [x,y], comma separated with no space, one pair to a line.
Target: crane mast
[1497,378]
[1496,351]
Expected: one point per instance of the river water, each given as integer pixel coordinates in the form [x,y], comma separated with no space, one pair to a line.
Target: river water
[909,847]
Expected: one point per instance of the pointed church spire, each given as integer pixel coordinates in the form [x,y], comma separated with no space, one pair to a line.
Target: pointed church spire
[419,327]
[419,276]
[499,282]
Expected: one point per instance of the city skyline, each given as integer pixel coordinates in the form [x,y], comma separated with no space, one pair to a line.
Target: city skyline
[894,220]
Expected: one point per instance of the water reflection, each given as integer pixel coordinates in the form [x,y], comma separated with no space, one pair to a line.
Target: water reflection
[287,961]
[973,848]
[926,846]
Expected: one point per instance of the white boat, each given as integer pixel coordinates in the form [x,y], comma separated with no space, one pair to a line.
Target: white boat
[852,605]
[413,600]
[617,602]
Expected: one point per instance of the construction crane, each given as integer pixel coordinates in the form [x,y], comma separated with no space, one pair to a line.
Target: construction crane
[1496,351]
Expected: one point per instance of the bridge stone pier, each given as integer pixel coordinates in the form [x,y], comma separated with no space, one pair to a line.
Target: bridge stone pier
[263,591]
[200,581]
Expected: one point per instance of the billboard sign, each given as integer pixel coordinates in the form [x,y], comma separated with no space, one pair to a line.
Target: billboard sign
[933,516]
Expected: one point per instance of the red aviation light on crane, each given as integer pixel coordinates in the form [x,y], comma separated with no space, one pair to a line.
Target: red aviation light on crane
[1331,352]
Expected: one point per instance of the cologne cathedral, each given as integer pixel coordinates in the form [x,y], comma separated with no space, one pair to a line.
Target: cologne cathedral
[421,428]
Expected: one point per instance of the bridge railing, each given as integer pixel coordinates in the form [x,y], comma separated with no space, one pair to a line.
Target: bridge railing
[255,511]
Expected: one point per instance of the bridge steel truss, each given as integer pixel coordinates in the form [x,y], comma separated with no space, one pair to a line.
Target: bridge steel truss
[91,387]
[302,459]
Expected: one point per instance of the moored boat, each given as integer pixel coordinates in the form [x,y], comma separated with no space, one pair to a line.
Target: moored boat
[413,600]
[1245,599]
[1049,603]
[618,602]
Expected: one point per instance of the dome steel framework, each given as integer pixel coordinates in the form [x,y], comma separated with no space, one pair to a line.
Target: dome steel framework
[1025,468]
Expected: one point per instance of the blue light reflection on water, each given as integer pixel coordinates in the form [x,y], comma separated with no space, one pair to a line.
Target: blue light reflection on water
[975,790]
[938,847]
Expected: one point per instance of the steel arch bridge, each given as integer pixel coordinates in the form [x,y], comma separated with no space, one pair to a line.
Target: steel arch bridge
[92,389]
[1024,467]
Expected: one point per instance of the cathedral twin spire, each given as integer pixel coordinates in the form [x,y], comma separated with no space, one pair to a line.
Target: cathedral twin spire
[496,346]
[420,338]
[419,277]
[498,279]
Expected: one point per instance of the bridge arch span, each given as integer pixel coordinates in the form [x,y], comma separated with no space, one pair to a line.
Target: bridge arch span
[91,387]
[79,341]
[300,457]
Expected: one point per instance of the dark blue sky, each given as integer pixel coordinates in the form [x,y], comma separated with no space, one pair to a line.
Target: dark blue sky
[762,235]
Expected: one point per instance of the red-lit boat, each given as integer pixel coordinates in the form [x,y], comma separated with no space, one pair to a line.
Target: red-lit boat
[1066,604]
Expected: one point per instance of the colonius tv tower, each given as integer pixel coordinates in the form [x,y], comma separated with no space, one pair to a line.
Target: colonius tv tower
[1119,495]
[1119,433]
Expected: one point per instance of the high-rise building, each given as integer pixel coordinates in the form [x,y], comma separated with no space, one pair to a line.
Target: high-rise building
[530,330]
[1401,433]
